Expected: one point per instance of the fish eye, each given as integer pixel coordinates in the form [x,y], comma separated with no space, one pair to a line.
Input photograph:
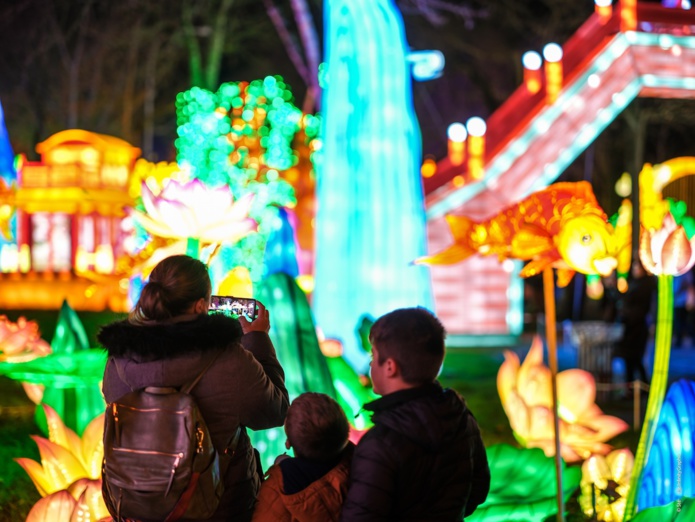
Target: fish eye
[586,238]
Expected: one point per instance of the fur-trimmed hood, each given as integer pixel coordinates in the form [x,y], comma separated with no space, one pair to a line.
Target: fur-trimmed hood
[166,340]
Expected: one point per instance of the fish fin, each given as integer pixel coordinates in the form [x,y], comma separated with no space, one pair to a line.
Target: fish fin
[450,256]
[564,276]
[531,241]
[460,227]
[536,266]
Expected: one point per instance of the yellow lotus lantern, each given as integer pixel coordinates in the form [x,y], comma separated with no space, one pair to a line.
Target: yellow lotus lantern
[81,501]
[195,213]
[65,457]
[605,485]
[21,341]
[526,394]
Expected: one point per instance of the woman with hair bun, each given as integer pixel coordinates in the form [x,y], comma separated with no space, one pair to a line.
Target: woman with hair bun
[169,338]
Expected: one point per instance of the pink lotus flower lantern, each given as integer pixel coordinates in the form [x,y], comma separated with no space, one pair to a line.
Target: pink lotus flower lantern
[526,394]
[21,341]
[667,251]
[193,211]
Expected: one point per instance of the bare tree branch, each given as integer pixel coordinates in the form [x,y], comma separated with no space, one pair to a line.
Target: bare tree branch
[214,59]
[307,32]
[432,9]
[291,46]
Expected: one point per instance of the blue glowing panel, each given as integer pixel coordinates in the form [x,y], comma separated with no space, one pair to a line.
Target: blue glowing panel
[370,222]
[7,173]
[670,471]
[280,250]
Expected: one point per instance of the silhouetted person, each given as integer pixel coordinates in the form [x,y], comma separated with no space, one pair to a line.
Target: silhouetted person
[634,313]
[682,325]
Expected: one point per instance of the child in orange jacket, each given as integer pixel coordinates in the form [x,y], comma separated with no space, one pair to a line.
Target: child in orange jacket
[312,485]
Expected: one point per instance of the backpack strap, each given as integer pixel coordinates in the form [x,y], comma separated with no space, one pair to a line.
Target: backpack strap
[121,374]
[188,387]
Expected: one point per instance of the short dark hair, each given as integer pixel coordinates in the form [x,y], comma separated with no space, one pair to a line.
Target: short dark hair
[175,283]
[414,338]
[316,426]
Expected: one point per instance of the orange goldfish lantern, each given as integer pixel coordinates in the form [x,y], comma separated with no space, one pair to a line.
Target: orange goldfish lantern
[561,226]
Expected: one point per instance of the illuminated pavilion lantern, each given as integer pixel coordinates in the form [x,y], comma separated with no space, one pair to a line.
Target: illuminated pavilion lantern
[476,147]
[552,53]
[628,15]
[457,134]
[532,62]
[69,210]
[604,9]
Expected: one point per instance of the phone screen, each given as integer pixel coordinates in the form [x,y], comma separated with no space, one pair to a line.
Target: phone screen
[233,306]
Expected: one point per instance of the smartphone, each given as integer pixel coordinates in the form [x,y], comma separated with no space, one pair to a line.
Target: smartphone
[233,306]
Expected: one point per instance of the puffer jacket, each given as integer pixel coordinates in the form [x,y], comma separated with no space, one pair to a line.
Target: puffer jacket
[423,460]
[320,501]
[244,387]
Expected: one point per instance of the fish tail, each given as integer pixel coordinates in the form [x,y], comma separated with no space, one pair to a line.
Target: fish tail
[450,256]
[461,229]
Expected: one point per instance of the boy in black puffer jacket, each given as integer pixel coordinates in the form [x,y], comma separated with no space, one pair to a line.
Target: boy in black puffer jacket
[424,458]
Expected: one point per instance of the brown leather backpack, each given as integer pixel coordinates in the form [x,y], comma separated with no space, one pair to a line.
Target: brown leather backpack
[159,461]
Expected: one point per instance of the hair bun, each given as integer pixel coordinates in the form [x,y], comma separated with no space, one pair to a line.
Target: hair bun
[157,287]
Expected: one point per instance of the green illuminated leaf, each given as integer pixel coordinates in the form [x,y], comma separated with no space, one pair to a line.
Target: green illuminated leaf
[69,335]
[523,485]
[294,336]
[681,510]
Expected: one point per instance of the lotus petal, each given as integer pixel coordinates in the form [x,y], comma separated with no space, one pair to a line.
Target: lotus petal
[605,426]
[645,252]
[621,462]
[537,387]
[518,414]
[231,231]
[92,452]
[37,474]
[676,253]
[58,433]
[89,500]
[57,507]
[541,425]
[241,207]
[576,392]
[62,467]
[507,375]
[156,228]
[34,391]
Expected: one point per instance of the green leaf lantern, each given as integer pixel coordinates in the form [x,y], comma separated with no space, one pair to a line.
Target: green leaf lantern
[523,485]
[682,510]
[293,332]
[71,374]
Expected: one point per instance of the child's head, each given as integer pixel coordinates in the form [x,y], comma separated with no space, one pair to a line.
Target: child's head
[316,426]
[414,339]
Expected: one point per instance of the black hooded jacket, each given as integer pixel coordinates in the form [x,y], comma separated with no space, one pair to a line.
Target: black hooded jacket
[423,460]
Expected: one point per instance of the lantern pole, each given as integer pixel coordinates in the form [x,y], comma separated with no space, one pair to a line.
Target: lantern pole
[551,338]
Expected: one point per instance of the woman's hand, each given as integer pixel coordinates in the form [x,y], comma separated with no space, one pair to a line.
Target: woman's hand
[260,324]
